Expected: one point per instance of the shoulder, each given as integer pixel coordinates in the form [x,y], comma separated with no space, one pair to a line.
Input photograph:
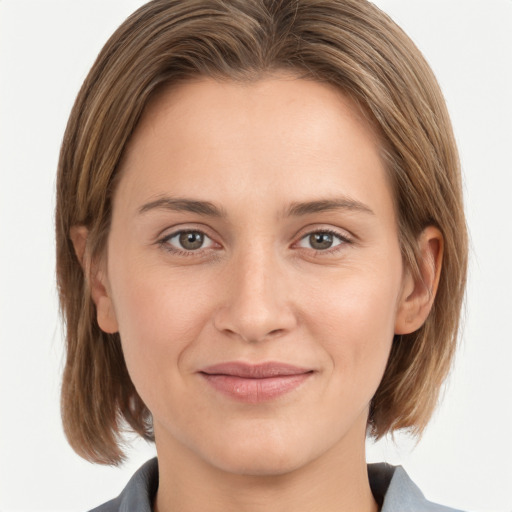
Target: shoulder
[138,494]
[396,492]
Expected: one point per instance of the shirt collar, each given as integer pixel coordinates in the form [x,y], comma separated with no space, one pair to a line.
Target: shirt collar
[392,488]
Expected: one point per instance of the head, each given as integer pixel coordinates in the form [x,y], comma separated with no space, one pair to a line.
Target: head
[347,46]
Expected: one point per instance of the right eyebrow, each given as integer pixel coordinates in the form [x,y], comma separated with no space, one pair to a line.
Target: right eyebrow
[177,204]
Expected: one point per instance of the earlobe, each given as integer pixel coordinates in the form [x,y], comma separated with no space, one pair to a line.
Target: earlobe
[105,313]
[418,292]
[97,280]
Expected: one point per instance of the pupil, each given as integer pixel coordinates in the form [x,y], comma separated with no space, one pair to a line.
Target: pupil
[320,240]
[191,240]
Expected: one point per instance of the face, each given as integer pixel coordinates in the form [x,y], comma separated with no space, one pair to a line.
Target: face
[253,271]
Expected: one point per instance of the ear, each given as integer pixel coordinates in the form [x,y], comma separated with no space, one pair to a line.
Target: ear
[96,277]
[418,293]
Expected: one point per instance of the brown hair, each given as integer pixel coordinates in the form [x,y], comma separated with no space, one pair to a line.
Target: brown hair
[348,43]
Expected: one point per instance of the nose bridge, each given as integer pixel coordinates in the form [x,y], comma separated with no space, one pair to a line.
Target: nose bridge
[257,303]
[256,277]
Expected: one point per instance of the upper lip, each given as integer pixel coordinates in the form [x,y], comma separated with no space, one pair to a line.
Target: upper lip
[255,371]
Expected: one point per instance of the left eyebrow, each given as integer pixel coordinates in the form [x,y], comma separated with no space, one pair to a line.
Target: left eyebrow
[325,205]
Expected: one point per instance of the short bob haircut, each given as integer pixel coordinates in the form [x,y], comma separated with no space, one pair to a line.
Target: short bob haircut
[350,44]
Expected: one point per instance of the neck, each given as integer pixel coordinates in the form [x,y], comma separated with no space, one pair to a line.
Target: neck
[336,481]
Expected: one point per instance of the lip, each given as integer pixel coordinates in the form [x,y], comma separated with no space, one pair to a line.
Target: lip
[254,383]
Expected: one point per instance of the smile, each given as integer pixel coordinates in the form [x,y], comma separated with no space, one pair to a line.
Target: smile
[255,383]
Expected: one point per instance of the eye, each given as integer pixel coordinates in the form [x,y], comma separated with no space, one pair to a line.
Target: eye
[322,240]
[187,240]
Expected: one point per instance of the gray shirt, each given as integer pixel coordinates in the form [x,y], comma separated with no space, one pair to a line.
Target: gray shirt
[394,491]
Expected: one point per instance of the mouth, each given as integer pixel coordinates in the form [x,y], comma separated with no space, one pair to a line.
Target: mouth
[255,383]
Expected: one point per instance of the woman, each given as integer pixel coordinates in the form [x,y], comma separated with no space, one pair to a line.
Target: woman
[261,254]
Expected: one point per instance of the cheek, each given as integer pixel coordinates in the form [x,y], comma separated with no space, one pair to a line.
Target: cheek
[354,316]
[160,315]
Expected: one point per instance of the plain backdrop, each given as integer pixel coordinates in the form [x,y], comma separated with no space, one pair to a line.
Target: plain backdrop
[46,49]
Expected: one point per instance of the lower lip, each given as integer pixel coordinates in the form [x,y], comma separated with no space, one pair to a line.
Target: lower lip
[255,390]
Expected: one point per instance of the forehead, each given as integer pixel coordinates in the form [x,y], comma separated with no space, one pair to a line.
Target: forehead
[271,98]
[280,131]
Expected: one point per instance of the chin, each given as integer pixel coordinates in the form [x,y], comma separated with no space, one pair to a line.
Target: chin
[263,463]
[265,456]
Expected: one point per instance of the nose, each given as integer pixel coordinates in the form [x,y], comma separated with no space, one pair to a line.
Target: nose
[256,299]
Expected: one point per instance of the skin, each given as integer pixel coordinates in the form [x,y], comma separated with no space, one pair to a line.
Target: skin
[258,289]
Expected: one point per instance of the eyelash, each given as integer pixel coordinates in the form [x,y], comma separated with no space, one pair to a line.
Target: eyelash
[343,239]
[164,242]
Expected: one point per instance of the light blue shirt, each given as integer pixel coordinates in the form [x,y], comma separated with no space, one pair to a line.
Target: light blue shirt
[391,486]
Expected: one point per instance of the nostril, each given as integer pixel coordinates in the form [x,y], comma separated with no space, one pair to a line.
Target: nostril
[254,322]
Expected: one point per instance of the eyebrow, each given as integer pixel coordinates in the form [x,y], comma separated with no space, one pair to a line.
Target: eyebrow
[296,209]
[325,205]
[184,205]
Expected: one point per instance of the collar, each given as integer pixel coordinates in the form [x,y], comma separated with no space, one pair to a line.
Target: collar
[392,488]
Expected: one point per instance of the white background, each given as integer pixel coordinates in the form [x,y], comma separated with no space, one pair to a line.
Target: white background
[46,49]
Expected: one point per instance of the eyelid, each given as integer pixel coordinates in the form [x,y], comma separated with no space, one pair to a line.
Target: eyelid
[170,237]
[311,229]
[168,233]
[184,226]
[345,237]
